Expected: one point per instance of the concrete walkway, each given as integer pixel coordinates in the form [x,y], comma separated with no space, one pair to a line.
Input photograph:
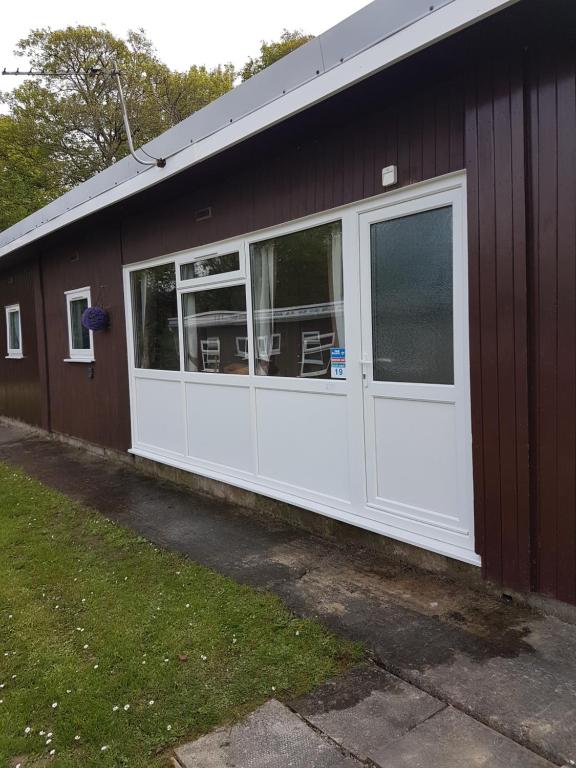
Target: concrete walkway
[454,668]
[366,717]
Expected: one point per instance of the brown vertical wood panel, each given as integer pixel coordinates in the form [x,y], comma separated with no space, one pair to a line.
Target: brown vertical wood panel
[458,90]
[492,554]
[519,137]
[566,222]
[552,102]
[495,146]
[546,448]
[94,409]
[506,316]
[41,350]
[475,314]
[20,385]
[442,131]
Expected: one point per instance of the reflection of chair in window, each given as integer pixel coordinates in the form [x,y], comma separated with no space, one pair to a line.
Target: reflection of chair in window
[242,347]
[211,355]
[316,348]
[269,345]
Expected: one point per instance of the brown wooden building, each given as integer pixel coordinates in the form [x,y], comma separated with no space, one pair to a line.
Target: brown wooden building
[351,288]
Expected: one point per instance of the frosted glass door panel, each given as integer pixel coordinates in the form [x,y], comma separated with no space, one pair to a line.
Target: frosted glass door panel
[412,302]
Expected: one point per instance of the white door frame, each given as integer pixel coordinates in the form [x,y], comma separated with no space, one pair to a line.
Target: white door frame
[457,530]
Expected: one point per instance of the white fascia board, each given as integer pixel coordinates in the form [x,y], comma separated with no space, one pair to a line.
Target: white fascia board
[444,22]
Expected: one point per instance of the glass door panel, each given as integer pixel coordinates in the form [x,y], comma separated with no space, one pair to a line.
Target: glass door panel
[412,303]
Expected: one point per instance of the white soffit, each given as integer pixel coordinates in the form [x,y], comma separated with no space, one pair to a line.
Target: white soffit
[377,36]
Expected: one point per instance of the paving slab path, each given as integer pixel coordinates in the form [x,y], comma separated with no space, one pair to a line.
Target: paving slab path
[364,718]
[504,670]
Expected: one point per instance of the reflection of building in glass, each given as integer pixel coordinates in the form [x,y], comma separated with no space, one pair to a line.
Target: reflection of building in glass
[299,343]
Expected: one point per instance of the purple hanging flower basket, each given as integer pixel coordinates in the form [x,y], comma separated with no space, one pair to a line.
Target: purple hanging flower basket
[95,319]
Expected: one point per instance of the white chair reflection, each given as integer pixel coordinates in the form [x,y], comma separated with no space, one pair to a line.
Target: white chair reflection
[211,355]
[242,347]
[316,348]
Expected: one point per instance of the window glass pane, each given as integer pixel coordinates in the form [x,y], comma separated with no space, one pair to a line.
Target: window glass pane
[298,300]
[155,318]
[211,265]
[80,335]
[412,323]
[14,329]
[215,330]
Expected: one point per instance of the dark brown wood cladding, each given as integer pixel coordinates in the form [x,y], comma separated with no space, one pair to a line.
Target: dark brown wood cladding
[88,401]
[498,100]
[498,316]
[20,386]
[551,89]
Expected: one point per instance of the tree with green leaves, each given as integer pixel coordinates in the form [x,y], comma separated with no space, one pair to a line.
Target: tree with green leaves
[62,130]
[77,116]
[29,178]
[271,52]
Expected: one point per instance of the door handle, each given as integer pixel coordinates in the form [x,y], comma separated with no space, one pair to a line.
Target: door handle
[365,364]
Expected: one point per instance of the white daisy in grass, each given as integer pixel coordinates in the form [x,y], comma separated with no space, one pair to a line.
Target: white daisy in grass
[104,748]
[115,708]
[54,704]
[86,646]
[27,729]
[49,735]
[151,702]
[48,741]
[204,658]
[76,738]
[41,733]
[52,751]
[168,727]
[126,707]
[96,666]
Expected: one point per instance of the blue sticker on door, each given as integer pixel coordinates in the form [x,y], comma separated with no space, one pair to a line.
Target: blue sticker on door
[338,362]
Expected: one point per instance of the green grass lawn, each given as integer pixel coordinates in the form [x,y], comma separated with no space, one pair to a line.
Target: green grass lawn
[112,650]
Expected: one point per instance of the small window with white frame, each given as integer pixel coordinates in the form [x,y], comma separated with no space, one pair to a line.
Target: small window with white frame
[80,341]
[202,268]
[14,332]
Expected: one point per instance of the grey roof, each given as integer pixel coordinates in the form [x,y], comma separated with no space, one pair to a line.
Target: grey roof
[364,29]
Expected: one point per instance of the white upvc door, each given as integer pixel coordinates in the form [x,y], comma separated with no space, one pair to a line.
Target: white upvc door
[415,369]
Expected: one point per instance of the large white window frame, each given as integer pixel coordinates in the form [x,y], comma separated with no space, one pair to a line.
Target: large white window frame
[177,445]
[78,355]
[14,353]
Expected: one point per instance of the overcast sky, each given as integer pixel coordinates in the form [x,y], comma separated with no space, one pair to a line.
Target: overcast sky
[185,33]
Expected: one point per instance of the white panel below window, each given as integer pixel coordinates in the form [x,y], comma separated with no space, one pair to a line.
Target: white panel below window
[303,441]
[160,415]
[219,425]
[416,457]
